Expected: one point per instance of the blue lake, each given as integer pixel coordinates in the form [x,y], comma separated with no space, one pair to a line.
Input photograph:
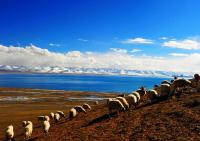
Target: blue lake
[94,83]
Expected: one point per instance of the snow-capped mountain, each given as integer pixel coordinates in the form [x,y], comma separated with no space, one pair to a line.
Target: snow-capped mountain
[97,71]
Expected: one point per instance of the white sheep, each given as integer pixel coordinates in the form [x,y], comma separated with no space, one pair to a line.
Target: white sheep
[51,115]
[72,113]
[46,126]
[80,109]
[28,129]
[137,95]
[46,118]
[24,123]
[152,95]
[9,133]
[124,102]
[61,113]
[56,117]
[86,106]
[164,89]
[115,105]
[180,83]
[131,99]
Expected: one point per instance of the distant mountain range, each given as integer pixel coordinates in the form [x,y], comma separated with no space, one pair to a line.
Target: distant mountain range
[96,71]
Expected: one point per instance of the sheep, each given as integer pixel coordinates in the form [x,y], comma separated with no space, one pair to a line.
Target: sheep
[46,118]
[131,99]
[28,129]
[9,133]
[124,102]
[165,82]
[72,113]
[56,117]
[142,91]
[181,83]
[152,95]
[24,123]
[96,102]
[115,105]
[86,106]
[137,95]
[46,126]
[80,109]
[51,115]
[164,90]
[61,113]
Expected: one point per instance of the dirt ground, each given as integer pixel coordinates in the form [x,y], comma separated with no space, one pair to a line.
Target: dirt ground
[171,119]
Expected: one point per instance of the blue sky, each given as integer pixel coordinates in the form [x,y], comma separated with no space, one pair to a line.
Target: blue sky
[102,25]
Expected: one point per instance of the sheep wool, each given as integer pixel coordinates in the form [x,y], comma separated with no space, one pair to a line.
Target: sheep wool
[46,126]
[9,132]
[124,102]
[137,95]
[86,106]
[51,115]
[115,105]
[56,117]
[72,113]
[131,99]
[28,129]
[80,109]
[61,113]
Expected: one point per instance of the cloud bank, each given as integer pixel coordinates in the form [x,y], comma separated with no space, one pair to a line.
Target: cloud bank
[113,59]
[137,41]
[187,44]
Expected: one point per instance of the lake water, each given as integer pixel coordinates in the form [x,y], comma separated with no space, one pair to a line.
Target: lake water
[78,82]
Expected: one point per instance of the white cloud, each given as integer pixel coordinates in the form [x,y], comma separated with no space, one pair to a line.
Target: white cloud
[83,40]
[137,41]
[187,44]
[179,54]
[116,58]
[119,50]
[163,38]
[135,50]
[54,45]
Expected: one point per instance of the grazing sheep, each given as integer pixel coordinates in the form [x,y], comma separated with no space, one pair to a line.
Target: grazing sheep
[86,106]
[96,102]
[51,115]
[46,126]
[164,90]
[9,133]
[131,99]
[115,105]
[142,91]
[165,82]
[28,129]
[61,113]
[24,123]
[124,102]
[80,109]
[137,95]
[72,113]
[181,83]
[56,117]
[152,95]
[46,118]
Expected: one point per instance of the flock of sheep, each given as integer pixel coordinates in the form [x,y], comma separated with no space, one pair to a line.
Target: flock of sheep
[120,103]
[44,121]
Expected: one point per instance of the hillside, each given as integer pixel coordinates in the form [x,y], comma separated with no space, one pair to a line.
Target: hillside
[172,119]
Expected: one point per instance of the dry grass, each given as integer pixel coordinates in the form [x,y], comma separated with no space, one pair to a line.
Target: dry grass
[171,119]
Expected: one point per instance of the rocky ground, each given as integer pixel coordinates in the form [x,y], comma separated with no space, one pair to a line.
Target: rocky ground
[171,119]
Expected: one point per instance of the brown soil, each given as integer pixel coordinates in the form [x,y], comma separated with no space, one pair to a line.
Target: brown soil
[171,119]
